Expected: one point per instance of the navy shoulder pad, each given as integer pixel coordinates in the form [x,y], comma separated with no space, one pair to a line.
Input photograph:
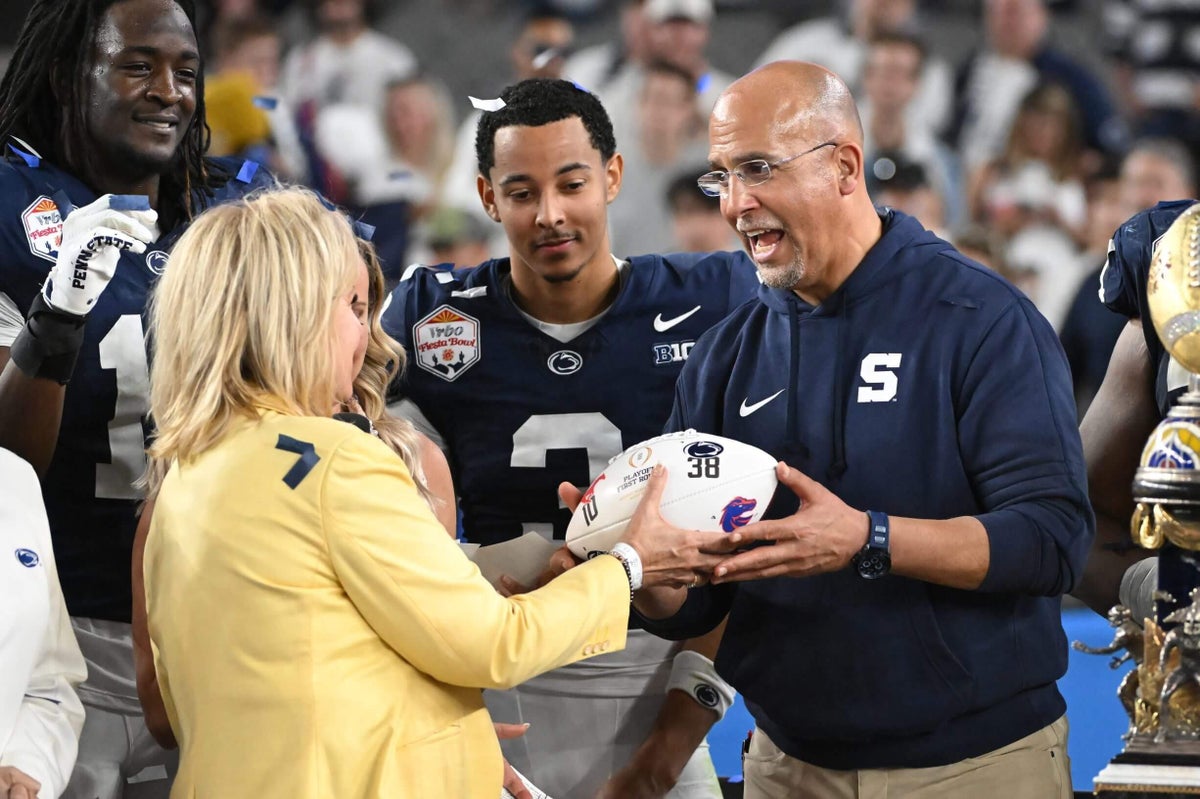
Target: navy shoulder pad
[424,287]
[1123,279]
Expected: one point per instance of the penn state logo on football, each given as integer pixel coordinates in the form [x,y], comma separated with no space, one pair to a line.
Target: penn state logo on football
[28,558]
[446,342]
[737,513]
[703,449]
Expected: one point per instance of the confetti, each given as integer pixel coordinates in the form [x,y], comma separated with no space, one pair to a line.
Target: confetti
[486,105]
[129,202]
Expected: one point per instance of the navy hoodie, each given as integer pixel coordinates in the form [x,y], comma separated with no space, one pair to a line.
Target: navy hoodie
[925,386]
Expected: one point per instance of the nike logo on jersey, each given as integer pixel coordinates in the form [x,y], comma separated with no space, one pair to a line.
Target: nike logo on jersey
[663,325]
[748,409]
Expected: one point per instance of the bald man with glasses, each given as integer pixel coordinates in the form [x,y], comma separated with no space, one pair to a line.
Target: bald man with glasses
[901,634]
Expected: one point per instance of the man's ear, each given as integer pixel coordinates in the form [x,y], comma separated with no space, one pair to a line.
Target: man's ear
[848,161]
[487,196]
[613,171]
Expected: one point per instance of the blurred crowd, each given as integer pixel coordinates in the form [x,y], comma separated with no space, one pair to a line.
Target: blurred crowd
[1025,152]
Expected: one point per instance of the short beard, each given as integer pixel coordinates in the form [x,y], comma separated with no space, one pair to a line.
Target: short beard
[783,277]
[567,278]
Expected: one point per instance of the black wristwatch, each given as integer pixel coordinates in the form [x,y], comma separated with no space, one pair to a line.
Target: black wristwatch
[874,560]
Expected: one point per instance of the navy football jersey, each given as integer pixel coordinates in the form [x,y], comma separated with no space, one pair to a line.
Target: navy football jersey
[520,411]
[1123,289]
[90,497]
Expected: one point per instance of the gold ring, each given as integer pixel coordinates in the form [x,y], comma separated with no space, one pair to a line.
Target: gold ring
[695,581]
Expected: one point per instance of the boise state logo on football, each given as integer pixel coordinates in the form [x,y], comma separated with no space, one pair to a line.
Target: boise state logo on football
[737,513]
[446,342]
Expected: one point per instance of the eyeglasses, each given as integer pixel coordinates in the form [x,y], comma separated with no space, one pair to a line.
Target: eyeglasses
[750,173]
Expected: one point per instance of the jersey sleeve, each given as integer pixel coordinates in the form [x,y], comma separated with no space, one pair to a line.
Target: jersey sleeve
[398,310]
[1123,279]
[421,289]
[25,217]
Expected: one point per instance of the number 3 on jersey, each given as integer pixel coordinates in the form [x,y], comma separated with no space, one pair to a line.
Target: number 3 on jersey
[591,432]
[123,349]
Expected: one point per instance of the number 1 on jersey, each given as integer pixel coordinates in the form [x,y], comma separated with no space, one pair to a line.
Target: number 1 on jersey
[123,349]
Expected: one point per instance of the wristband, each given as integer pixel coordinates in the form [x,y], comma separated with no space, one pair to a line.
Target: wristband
[632,562]
[49,343]
[694,674]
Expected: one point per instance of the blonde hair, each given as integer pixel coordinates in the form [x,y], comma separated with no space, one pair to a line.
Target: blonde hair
[244,315]
[385,358]
[434,162]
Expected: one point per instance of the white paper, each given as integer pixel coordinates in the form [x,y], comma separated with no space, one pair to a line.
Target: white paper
[523,559]
[486,105]
[537,792]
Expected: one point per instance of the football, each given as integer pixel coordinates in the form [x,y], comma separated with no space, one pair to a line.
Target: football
[713,483]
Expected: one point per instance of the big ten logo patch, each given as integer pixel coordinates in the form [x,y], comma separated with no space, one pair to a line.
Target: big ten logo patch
[43,228]
[446,342]
[675,352]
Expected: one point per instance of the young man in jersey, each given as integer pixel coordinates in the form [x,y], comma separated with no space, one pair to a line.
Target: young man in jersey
[536,369]
[99,99]
[1141,384]
[914,655]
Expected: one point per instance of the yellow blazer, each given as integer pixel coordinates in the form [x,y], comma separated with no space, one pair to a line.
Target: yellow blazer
[323,637]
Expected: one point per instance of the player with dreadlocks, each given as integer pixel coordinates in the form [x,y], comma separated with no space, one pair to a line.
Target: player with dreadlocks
[103,135]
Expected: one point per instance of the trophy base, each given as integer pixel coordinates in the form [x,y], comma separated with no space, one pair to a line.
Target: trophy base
[1148,770]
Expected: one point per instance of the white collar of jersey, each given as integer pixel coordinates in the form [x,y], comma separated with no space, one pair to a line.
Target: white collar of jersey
[566,332]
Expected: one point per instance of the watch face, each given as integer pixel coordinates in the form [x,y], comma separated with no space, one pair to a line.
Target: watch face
[875,564]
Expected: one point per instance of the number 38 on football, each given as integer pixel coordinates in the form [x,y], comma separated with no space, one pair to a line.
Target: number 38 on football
[713,483]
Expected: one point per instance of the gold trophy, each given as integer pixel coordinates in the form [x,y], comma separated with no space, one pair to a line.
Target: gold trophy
[1162,752]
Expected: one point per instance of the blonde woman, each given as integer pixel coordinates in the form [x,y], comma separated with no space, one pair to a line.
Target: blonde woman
[382,358]
[315,631]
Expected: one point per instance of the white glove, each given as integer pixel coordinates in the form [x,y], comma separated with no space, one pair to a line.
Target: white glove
[93,238]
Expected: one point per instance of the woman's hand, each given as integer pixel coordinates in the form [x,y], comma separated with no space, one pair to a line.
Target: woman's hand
[671,556]
[511,781]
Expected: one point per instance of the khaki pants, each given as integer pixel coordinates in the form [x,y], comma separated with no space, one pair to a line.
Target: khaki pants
[1034,766]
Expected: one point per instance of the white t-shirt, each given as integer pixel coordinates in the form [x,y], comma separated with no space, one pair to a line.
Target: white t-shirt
[40,663]
[357,73]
